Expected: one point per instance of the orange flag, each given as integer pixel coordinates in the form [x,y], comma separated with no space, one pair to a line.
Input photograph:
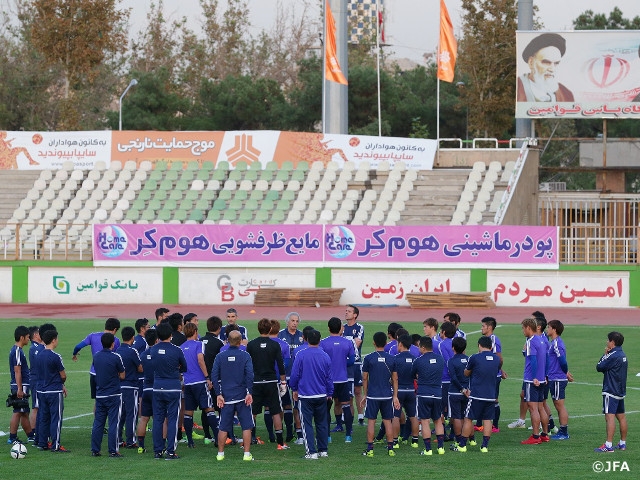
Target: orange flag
[332,70]
[448,48]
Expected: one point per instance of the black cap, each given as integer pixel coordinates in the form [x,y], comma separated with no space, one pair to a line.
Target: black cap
[543,41]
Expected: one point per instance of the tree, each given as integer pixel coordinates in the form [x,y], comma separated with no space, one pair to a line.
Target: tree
[599,21]
[80,37]
[487,58]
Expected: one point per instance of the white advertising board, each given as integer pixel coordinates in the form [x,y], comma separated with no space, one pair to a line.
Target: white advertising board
[6,285]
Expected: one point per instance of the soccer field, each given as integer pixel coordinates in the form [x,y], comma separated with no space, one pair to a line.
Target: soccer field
[507,457]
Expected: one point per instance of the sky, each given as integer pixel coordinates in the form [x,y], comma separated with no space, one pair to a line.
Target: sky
[411,25]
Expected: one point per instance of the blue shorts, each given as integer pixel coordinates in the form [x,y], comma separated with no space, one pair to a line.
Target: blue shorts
[612,405]
[342,392]
[480,409]
[534,394]
[557,388]
[146,410]
[457,406]
[407,403]
[34,400]
[242,410]
[384,406]
[197,396]
[545,389]
[429,408]
[354,372]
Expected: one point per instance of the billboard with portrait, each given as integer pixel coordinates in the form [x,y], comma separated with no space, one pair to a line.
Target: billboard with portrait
[578,74]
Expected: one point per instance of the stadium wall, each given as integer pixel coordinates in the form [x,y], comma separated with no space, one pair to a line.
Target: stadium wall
[609,286]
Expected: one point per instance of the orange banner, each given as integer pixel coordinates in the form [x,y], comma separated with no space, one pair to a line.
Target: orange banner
[448,47]
[332,70]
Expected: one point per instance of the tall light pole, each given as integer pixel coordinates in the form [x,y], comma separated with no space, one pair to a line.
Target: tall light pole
[131,84]
[461,86]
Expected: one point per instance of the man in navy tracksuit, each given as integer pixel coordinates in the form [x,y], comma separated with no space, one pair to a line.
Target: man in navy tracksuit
[168,363]
[129,387]
[312,383]
[614,366]
[109,372]
[232,379]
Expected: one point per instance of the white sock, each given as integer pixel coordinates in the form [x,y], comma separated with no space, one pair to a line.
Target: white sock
[608,444]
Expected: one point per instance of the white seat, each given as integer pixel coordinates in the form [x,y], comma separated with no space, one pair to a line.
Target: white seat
[45,175]
[458,218]
[100,165]
[230,185]
[129,165]
[82,194]
[330,176]
[395,175]
[49,194]
[125,175]
[370,195]
[342,217]
[483,196]
[109,175]
[304,195]
[332,166]
[326,216]
[325,185]
[68,214]
[310,216]
[299,205]
[495,203]
[475,217]
[315,205]
[383,166]
[474,176]
[57,204]
[313,175]
[68,165]
[84,215]
[145,165]
[387,195]
[348,204]
[361,175]
[341,185]
[382,206]
[491,176]
[331,204]
[277,185]
[399,166]
[261,185]
[294,216]
[115,165]
[26,204]
[97,195]
[100,214]
[106,204]
[506,175]
[197,185]
[352,194]
[94,175]
[495,166]
[336,195]
[123,204]
[215,185]
[56,184]
[349,166]
[129,194]
[39,185]
[466,196]
[113,195]
[42,204]
[293,185]
[320,195]
[376,217]
[88,184]
[345,175]
[61,175]
[479,206]
[411,175]
[309,185]
[35,214]
[479,167]
[119,184]
[397,205]
[488,186]
[246,185]
[317,165]
[393,215]
[91,204]
[140,175]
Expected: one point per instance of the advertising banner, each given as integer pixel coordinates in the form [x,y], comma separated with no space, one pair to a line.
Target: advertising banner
[49,150]
[311,245]
[167,244]
[578,74]
[6,285]
[367,287]
[559,289]
[238,286]
[88,285]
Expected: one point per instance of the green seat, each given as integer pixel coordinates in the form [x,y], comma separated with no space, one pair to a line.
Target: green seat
[154,204]
[164,215]
[262,216]
[180,215]
[219,174]
[192,166]
[148,215]
[138,204]
[186,205]
[277,216]
[235,204]
[256,195]
[156,175]
[171,175]
[241,195]
[251,175]
[225,194]
[209,195]
[151,185]
[187,175]
[251,205]
[271,166]
[196,215]
[230,215]
[299,175]
[272,195]
[133,215]
[176,195]
[214,215]
[302,165]
[192,195]
[257,166]
[170,205]
[236,175]
[223,165]
[207,165]
[219,204]
[242,166]
[267,175]
[145,195]
[177,166]
[288,195]
[267,205]
[182,185]
[166,185]
[246,216]
[284,205]
[160,195]
[282,175]
[203,175]
[287,165]
[160,165]
[202,204]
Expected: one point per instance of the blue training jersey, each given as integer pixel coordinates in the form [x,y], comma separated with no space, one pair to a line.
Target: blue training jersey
[107,365]
[49,367]
[286,357]
[402,364]
[379,366]
[35,349]
[427,368]
[232,375]
[192,349]
[614,365]
[147,370]
[557,357]
[93,340]
[535,359]
[484,367]
[353,332]
[456,366]
[342,354]
[446,350]
[131,361]
[17,358]
[311,374]
[168,363]
[293,339]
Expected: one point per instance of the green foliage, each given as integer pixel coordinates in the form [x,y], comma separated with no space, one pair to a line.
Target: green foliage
[588,20]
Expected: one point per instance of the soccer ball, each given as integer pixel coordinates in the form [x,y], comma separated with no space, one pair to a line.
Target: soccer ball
[18,451]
